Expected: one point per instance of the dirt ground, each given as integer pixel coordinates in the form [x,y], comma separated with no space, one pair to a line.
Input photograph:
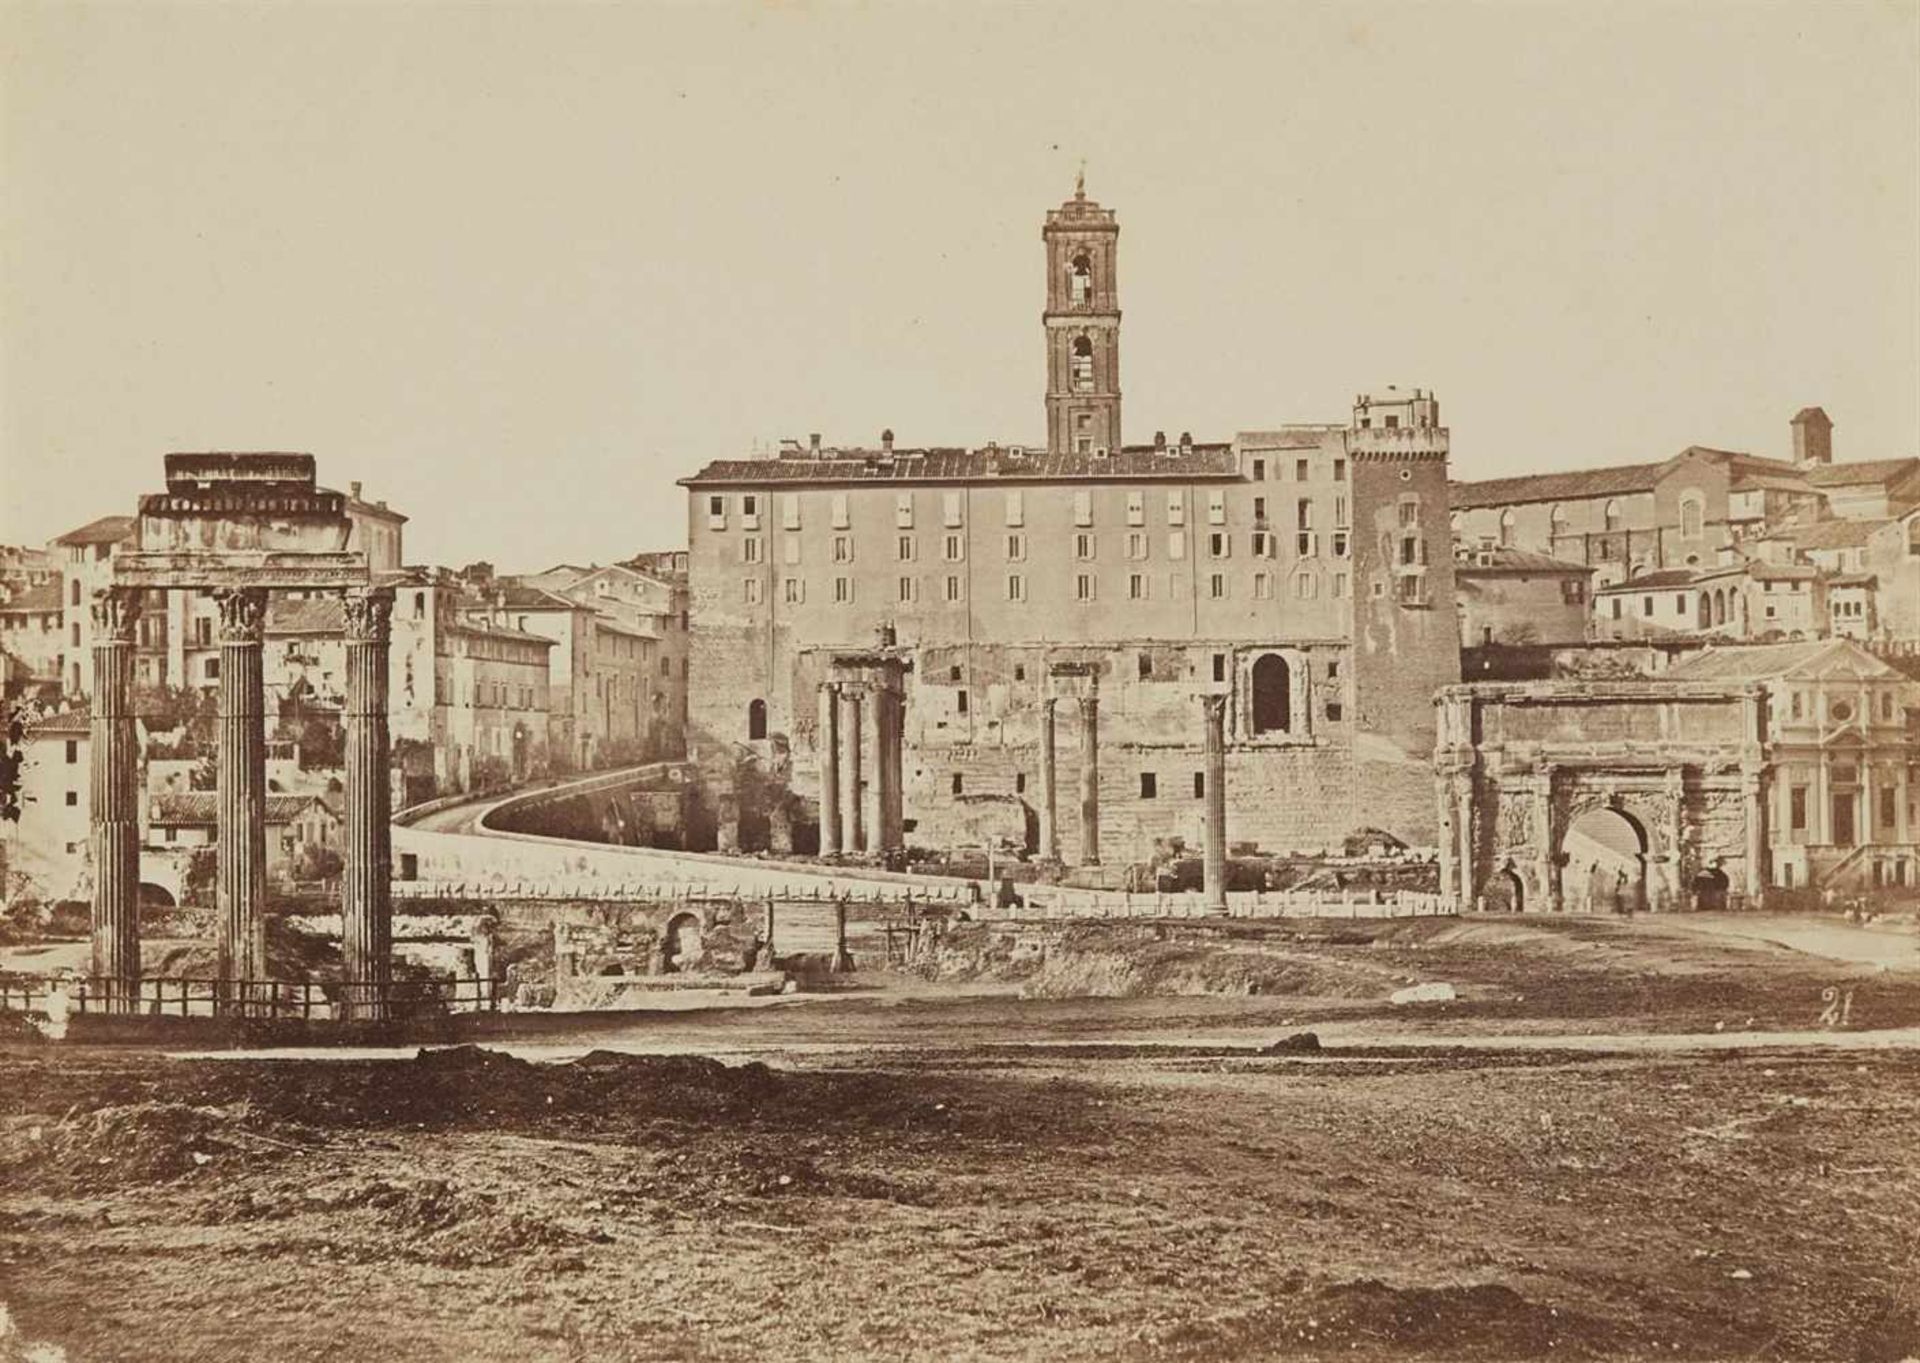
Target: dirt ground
[947,1172]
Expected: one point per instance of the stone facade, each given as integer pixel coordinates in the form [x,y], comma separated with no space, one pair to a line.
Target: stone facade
[1305,568]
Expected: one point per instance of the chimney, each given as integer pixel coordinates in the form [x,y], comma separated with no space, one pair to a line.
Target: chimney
[886,441]
[1186,442]
[1159,442]
[813,443]
[1812,437]
[353,490]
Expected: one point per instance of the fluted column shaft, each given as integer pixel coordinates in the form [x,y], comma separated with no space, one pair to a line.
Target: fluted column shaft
[366,889]
[113,799]
[1214,858]
[242,780]
[852,798]
[1090,780]
[827,746]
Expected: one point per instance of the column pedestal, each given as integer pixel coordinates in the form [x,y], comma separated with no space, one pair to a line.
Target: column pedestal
[366,888]
[113,802]
[242,782]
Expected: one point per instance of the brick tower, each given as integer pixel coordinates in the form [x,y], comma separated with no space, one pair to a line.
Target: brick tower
[1083,327]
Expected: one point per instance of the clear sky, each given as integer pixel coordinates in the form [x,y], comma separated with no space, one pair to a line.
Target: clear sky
[518,267]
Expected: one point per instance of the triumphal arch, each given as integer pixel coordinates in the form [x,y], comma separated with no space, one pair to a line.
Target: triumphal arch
[242,526]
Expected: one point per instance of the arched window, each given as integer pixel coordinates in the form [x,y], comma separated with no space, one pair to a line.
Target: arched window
[1692,516]
[756,719]
[1272,695]
[1506,528]
[1080,281]
[1557,519]
[1613,516]
[1082,367]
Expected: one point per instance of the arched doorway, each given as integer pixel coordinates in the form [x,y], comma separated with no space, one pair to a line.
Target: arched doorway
[756,719]
[155,896]
[1505,893]
[1605,855]
[1710,890]
[1706,611]
[1272,695]
[680,945]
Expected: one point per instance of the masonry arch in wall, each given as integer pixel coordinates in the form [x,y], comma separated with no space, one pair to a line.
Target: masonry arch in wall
[1603,858]
[1275,704]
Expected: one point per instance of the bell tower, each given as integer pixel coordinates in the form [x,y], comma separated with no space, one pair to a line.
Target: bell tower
[1083,327]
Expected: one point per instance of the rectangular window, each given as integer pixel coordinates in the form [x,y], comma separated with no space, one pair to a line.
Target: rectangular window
[840,511]
[73,750]
[909,589]
[956,548]
[1410,512]
[793,591]
[1263,587]
[1888,805]
[1217,586]
[1797,809]
[1259,510]
[1149,785]
[1083,546]
[1259,470]
[1340,584]
[1176,544]
[954,592]
[1339,470]
[1083,587]
[903,548]
[1218,545]
[959,784]
[751,588]
[1306,544]
[1176,508]
[843,548]
[716,515]
[1339,544]
[1144,662]
[1016,507]
[749,511]
[790,511]
[1136,508]
[1016,548]
[1199,785]
[960,701]
[750,549]
[1303,514]
[1646,606]
[73,797]
[950,509]
[903,510]
[1262,544]
[842,590]
[1680,603]
[1136,544]
[1219,667]
[1016,587]
[1300,471]
[1136,586]
[1216,506]
[1019,783]
[1082,506]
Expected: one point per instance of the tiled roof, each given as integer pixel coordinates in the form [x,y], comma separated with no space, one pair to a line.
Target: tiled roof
[1762,662]
[1664,577]
[1504,560]
[518,596]
[43,596]
[106,530]
[1828,534]
[496,631]
[1769,481]
[1782,572]
[960,466]
[315,615]
[196,808]
[1852,580]
[1558,487]
[1881,471]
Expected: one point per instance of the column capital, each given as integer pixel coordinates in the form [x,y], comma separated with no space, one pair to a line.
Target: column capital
[368,613]
[1215,705]
[116,610]
[1089,705]
[243,614]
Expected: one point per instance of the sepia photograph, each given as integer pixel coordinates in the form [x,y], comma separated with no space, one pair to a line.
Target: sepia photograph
[625,738]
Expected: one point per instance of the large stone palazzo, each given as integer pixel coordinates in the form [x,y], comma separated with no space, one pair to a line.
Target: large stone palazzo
[243,526]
